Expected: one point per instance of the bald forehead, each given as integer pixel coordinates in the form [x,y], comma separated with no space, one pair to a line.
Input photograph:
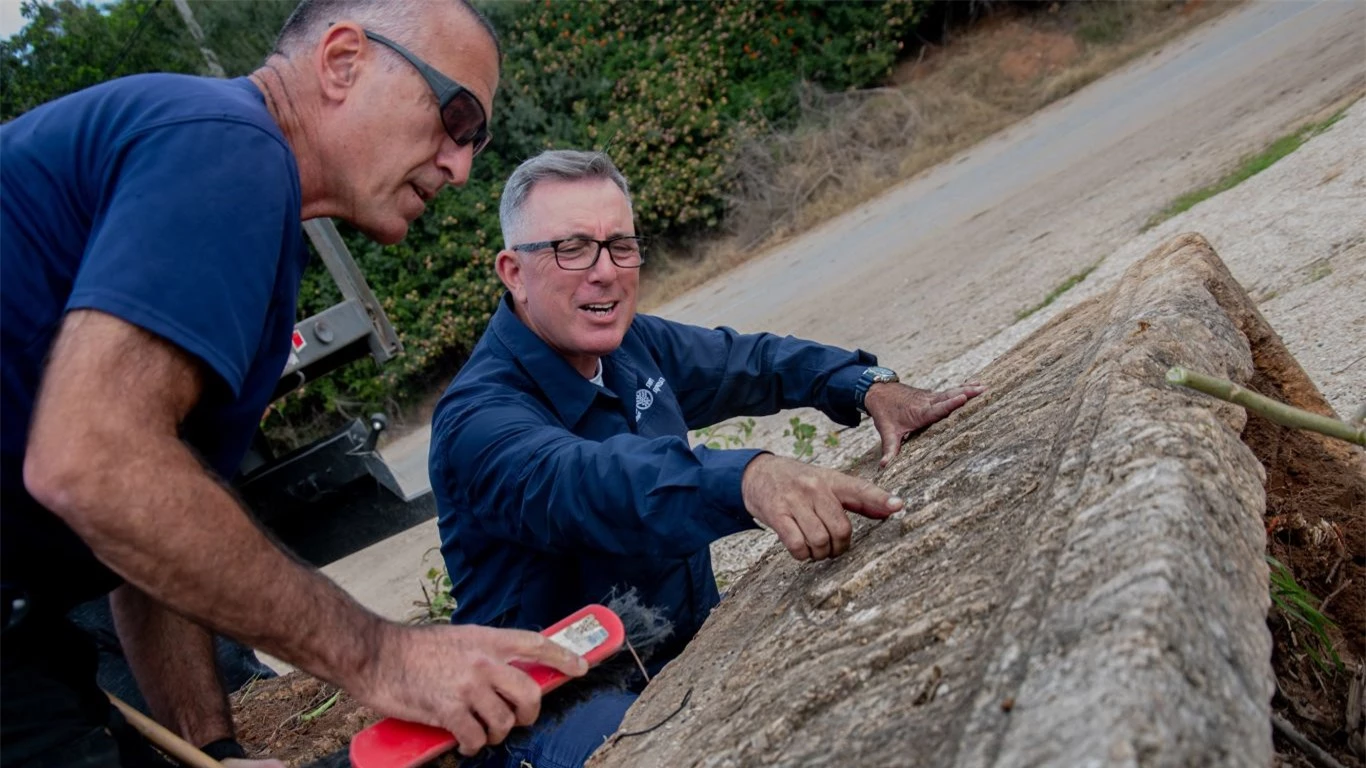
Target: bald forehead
[455,41]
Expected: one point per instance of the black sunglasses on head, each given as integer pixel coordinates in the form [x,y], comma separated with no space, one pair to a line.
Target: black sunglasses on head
[461,113]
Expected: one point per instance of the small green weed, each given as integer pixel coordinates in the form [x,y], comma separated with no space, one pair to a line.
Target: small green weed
[322,708]
[1298,607]
[803,437]
[1250,166]
[436,605]
[734,434]
[1053,295]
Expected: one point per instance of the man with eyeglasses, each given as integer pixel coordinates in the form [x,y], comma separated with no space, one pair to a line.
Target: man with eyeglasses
[559,455]
[150,253]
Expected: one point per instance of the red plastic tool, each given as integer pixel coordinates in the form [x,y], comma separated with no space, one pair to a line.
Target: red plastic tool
[593,632]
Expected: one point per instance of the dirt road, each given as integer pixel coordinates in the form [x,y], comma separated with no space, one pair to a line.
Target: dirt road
[949,258]
[928,272]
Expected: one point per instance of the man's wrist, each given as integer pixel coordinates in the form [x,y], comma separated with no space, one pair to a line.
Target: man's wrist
[869,378]
[723,487]
[875,393]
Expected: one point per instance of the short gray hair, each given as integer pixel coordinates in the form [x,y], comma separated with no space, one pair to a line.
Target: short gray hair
[399,19]
[557,165]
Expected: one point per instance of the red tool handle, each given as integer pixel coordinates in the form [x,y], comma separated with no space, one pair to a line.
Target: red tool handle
[593,632]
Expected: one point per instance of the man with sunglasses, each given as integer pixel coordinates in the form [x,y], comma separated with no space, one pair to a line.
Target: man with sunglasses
[559,455]
[150,253]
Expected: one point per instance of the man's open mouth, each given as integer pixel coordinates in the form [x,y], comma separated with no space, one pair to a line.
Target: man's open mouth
[599,309]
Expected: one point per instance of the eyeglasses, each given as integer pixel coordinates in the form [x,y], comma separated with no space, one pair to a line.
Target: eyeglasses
[461,113]
[579,253]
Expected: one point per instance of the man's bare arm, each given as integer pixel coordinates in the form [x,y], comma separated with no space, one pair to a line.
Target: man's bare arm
[173,661]
[104,454]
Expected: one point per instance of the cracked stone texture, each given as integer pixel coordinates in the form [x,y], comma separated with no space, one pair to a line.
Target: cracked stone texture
[1077,580]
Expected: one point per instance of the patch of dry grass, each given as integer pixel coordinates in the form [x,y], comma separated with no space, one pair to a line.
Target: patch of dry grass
[852,147]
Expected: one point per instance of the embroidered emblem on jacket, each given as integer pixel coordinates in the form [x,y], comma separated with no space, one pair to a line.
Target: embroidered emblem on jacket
[645,397]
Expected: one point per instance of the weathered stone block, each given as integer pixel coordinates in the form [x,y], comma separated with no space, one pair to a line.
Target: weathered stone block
[1078,578]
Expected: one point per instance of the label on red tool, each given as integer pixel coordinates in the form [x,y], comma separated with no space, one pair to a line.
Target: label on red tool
[298,341]
[582,636]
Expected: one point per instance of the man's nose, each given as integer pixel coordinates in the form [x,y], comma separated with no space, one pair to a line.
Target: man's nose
[604,270]
[455,161]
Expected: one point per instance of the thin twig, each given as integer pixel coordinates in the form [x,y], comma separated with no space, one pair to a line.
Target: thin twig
[1334,570]
[1344,368]
[636,656]
[1323,606]
[1287,415]
[1311,750]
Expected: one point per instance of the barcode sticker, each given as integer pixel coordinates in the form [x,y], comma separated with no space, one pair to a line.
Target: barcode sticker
[582,636]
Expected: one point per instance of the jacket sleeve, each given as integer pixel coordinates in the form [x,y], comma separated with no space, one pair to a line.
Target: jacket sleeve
[528,479]
[719,373]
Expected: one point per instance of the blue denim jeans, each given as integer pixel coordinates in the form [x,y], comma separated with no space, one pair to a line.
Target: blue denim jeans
[564,742]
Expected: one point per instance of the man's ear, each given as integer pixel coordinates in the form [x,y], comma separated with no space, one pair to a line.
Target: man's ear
[338,57]
[508,265]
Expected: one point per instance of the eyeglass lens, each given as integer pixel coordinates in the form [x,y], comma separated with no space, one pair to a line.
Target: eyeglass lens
[583,253]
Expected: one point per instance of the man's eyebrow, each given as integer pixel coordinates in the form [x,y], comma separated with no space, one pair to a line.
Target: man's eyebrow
[589,236]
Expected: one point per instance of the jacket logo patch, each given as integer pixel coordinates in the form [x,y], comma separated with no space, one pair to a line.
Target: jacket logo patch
[645,397]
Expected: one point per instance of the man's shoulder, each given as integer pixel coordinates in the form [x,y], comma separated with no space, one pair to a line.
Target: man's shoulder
[119,111]
[653,330]
[660,339]
[490,370]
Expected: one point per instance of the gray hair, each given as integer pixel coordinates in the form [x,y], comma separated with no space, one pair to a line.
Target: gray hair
[556,165]
[399,19]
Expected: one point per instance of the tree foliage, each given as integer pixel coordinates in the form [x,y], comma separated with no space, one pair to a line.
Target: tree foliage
[667,88]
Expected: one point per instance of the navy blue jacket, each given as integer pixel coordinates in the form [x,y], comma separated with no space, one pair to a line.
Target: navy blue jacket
[553,492]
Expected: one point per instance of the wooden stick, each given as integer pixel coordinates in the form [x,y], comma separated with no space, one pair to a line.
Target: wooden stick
[168,742]
[1311,750]
[1287,415]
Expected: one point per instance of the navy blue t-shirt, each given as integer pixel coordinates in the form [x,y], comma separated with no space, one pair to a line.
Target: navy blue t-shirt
[173,203]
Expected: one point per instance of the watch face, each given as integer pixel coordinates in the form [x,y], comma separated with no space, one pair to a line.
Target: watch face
[880,374]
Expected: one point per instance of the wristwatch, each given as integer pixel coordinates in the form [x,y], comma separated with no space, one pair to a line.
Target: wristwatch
[873,374]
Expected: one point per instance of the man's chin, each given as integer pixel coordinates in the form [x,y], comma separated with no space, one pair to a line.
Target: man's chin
[387,234]
[602,342]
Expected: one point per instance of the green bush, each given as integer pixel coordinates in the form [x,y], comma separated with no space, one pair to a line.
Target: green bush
[667,88]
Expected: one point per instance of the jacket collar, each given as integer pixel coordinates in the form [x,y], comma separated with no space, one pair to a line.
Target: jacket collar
[568,392]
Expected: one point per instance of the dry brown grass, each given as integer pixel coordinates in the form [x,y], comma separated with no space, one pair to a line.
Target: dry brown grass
[851,147]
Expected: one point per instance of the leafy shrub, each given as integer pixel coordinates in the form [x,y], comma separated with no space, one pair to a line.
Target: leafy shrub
[669,89]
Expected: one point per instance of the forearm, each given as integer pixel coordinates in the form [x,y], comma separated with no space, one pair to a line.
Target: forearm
[159,520]
[173,661]
[763,374]
[628,496]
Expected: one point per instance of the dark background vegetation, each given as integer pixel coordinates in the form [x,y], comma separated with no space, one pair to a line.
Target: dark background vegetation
[668,88]
[727,116]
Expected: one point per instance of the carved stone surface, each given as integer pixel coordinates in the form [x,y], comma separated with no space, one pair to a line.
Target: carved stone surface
[1078,578]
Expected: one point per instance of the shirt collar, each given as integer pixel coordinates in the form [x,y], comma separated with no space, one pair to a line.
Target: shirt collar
[569,393]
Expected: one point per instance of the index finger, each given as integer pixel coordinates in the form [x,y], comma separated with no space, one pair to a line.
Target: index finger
[971,390]
[865,498]
[525,645]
